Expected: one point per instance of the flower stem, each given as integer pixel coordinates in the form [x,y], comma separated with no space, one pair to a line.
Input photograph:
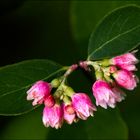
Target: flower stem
[85,64]
[62,87]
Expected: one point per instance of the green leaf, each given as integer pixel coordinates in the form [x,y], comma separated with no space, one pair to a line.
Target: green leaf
[106,124]
[116,34]
[16,79]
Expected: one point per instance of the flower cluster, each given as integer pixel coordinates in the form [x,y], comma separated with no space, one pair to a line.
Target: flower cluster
[62,103]
[112,75]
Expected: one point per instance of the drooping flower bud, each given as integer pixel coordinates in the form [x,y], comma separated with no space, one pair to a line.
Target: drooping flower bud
[38,92]
[49,101]
[69,113]
[129,67]
[126,79]
[126,61]
[118,94]
[83,105]
[112,69]
[103,94]
[53,116]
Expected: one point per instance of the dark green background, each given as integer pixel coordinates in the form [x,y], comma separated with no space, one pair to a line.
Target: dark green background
[59,30]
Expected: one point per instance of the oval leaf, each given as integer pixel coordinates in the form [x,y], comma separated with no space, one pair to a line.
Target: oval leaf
[117,33]
[16,79]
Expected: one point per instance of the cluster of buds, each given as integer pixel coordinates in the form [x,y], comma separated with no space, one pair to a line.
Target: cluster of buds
[62,103]
[112,75]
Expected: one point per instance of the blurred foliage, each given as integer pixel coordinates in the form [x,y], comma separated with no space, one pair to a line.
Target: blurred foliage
[107,124]
[130,109]
[28,126]
[59,30]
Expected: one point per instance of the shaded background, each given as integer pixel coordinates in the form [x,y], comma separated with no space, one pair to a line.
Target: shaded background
[59,30]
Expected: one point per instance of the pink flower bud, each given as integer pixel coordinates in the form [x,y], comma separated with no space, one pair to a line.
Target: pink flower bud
[118,94]
[69,113]
[82,105]
[38,92]
[112,69]
[103,94]
[126,61]
[49,101]
[126,79]
[53,116]
[129,67]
